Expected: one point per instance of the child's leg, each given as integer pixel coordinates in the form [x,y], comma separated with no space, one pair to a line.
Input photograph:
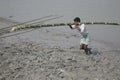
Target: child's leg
[82,46]
[87,50]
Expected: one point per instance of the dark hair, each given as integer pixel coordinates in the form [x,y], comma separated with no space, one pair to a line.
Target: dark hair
[77,19]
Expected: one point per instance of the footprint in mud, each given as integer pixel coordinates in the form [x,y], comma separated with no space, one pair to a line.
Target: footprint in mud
[95,52]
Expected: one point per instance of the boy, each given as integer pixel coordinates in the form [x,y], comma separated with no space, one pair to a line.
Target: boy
[84,42]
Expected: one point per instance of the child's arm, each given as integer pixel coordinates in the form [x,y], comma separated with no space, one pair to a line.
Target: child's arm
[72,26]
[82,27]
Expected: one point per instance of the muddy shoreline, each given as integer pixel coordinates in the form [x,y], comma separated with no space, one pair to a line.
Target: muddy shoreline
[53,54]
[29,61]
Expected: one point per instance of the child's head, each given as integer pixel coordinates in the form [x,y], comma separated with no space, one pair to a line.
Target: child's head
[77,21]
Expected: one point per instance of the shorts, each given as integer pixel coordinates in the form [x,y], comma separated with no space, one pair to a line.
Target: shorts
[85,39]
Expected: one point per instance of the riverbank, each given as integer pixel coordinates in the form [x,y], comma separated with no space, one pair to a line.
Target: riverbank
[53,54]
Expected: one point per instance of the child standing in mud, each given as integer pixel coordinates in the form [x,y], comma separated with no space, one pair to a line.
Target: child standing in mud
[85,40]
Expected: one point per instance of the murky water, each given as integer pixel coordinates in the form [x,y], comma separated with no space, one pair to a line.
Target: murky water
[88,10]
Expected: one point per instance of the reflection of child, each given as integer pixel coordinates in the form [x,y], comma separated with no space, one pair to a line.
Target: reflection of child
[84,42]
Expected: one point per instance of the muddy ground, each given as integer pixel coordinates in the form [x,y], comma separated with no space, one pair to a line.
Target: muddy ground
[53,54]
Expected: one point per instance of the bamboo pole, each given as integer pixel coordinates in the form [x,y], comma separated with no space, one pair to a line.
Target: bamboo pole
[34,27]
[62,24]
[26,24]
